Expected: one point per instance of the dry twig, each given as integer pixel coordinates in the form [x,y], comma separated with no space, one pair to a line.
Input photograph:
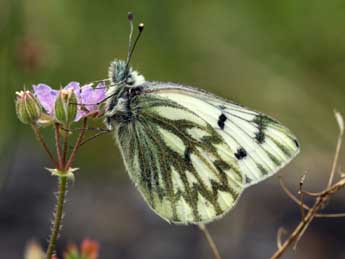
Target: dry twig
[340,121]
[281,231]
[210,241]
[321,199]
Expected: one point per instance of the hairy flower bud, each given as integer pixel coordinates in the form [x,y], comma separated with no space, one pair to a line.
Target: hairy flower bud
[66,106]
[28,108]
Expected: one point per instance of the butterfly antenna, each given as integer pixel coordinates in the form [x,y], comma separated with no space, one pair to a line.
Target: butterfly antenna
[131,47]
[130,19]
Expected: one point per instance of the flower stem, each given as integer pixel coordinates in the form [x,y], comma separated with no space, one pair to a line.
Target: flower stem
[44,144]
[65,145]
[77,145]
[58,216]
[210,241]
[62,165]
[58,145]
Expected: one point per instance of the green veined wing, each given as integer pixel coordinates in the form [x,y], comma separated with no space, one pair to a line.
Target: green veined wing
[191,153]
[178,161]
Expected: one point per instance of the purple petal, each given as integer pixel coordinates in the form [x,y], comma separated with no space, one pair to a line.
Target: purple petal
[99,92]
[86,94]
[76,88]
[90,97]
[46,96]
[80,114]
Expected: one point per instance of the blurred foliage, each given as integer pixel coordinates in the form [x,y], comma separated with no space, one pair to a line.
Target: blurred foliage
[285,58]
[89,249]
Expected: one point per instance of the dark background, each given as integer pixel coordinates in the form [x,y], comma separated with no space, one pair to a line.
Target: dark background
[285,58]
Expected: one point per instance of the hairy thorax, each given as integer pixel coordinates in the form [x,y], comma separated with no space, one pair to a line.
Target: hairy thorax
[124,88]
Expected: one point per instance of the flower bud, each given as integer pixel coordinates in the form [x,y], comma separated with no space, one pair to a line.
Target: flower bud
[28,108]
[66,106]
[72,252]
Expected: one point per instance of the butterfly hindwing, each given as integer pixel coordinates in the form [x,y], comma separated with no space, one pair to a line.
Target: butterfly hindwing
[178,161]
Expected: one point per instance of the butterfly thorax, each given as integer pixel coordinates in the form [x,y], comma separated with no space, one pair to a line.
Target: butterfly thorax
[126,84]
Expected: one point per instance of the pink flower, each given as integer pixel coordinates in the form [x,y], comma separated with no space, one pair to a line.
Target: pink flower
[88,97]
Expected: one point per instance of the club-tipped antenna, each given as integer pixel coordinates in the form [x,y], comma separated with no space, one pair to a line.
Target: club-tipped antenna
[130,20]
[131,47]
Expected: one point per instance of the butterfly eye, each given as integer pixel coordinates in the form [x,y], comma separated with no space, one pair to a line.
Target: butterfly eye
[130,80]
[135,91]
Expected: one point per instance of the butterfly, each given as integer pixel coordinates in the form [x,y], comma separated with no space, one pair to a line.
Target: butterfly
[189,152]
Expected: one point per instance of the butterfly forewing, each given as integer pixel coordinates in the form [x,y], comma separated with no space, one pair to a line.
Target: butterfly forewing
[260,144]
[180,163]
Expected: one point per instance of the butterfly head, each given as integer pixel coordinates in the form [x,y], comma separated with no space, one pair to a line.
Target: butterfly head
[120,73]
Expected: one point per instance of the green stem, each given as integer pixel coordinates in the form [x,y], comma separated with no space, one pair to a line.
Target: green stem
[58,216]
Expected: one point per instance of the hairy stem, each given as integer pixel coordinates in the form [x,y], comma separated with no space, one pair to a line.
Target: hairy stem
[210,241]
[58,216]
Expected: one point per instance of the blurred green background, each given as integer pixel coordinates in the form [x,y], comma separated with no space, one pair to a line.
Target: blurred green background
[285,58]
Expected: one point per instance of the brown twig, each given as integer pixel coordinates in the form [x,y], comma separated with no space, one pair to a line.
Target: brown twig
[210,241]
[340,122]
[321,199]
[281,231]
[301,193]
[291,195]
[330,215]
[312,194]
[298,202]
[295,235]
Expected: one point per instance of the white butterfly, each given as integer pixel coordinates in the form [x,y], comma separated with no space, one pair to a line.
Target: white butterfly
[191,153]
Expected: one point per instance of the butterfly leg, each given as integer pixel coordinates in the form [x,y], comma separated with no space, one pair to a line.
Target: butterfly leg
[100,133]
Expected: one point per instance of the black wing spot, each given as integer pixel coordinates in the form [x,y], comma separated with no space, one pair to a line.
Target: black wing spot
[260,136]
[221,120]
[296,143]
[187,154]
[247,179]
[241,153]
[261,122]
